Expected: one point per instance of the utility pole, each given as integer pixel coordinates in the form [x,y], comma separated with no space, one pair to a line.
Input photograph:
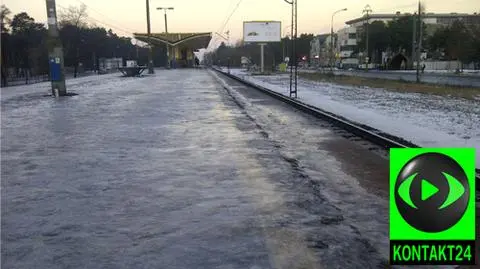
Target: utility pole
[284,43]
[292,51]
[366,10]
[150,52]
[55,52]
[332,55]
[419,47]
[293,57]
[331,47]
[167,47]
[295,3]
[94,60]
[166,32]
[228,37]
[414,40]
[262,66]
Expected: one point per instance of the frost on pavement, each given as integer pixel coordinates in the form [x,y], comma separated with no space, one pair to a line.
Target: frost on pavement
[164,171]
[426,120]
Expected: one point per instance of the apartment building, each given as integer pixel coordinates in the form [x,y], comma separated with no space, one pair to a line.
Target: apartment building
[319,50]
[346,46]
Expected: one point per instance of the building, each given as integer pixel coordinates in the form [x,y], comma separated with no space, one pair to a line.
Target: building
[441,19]
[109,64]
[319,47]
[347,47]
[181,46]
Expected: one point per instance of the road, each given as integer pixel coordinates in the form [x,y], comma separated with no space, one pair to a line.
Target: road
[175,171]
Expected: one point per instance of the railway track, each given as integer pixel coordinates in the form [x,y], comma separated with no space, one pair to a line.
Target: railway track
[375,136]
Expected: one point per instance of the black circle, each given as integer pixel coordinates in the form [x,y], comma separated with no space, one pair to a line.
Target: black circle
[427,217]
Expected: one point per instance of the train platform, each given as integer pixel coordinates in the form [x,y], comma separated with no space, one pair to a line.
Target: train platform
[184,169]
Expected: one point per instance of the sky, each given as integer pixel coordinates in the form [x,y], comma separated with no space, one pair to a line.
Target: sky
[314,16]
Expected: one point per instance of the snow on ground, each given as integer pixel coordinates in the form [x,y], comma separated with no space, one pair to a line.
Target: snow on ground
[74,84]
[427,120]
[174,173]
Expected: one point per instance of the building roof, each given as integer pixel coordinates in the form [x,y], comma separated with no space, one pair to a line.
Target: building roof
[192,40]
[398,15]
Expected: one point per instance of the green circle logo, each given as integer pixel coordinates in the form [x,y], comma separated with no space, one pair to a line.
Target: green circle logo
[432,192]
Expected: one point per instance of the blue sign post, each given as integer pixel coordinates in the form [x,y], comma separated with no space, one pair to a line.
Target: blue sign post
[55,70]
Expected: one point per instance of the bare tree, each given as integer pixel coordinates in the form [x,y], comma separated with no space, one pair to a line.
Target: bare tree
[4,13]
[76,16]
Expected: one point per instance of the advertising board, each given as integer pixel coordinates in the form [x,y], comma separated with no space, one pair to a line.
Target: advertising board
[261,31]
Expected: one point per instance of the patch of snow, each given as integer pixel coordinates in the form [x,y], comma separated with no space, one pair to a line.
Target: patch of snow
[424,119]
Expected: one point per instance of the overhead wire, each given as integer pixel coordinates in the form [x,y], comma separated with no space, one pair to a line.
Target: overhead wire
[213,40]
[106,17]
[102,23]
[222,28]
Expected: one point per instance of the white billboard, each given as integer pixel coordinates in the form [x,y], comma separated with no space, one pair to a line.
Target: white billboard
[262,31]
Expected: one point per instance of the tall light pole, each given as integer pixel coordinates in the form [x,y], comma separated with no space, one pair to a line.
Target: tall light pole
[150,53]
[419,43]
[166,31]
[283,43]
[293,76]
[331,38]
[165,15]
[228,37]
[366,10]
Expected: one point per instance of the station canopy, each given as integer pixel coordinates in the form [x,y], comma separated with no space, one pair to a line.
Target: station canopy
[194,41]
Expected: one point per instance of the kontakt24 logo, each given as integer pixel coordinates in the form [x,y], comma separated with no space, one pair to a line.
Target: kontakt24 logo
[432,206]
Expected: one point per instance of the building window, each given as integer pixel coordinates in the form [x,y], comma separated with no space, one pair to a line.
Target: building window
[352,36]
[347,48]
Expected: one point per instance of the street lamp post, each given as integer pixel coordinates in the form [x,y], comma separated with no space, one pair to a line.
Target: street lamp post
[283,43]
[228,37]
[166,31]
[150,53]
[366,10]
[331,38]
[293,76]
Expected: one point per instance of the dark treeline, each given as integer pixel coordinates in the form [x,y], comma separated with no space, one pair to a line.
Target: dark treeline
[25,52]
[455,42]
[274,53]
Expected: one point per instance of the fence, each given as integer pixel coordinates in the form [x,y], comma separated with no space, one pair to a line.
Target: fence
[24,78]
[446,65]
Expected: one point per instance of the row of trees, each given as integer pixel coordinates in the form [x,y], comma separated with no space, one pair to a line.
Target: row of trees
[395,36]
[274,53]
[24,44]
[455,42]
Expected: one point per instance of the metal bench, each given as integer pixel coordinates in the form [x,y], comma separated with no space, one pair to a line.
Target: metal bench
[132,71]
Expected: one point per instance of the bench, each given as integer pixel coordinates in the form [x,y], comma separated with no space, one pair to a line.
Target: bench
[132,71]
